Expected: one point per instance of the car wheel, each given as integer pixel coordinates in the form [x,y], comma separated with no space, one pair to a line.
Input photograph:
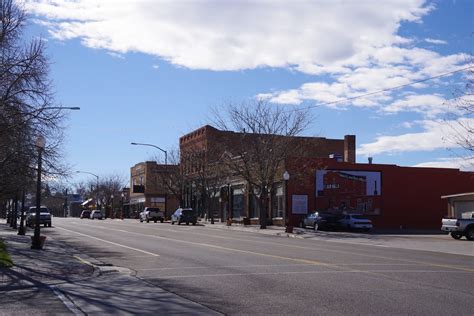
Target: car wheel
[147,220]
[45,225]
[172,223]
[49,225]
[187,223]
[179,222]
[456,235]
[316,227]
[162,220]
[194,223]
[141,220]
[470,234]
[155,220]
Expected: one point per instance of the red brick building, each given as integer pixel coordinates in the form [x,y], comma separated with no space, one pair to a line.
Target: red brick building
[207,144]
[395,196]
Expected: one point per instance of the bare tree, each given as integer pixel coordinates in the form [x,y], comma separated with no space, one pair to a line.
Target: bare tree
[461,117]
[174,179]
[26,104]
[266,141]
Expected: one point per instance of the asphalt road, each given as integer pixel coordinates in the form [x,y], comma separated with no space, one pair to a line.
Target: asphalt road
[235,272]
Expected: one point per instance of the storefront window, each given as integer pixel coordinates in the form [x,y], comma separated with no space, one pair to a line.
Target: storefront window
[278,202]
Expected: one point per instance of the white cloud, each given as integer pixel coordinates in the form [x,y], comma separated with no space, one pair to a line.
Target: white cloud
[435,41]
[429,105]
[465,164]
[155,66]
[236,35]
[436,134]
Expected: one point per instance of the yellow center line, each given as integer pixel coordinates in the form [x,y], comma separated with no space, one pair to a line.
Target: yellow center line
[293,246]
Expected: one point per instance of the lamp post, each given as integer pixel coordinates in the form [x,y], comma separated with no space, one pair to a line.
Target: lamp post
[289,227]
[112,206]
[96,188]
[36,240]
[122,195]
[164,151]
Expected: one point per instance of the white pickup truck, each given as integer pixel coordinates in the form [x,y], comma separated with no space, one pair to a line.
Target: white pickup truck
[459,227]
[152,214]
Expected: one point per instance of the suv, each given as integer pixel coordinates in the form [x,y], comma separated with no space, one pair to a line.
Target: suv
[152,214]
[45,217]
[184,215]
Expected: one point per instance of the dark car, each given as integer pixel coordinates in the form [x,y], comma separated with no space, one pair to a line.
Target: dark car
[321,221]
[184,215]
[85,214]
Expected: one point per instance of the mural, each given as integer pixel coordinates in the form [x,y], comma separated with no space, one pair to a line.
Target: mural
[349,191]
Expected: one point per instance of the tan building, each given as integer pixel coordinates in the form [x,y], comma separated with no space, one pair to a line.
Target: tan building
[147,188]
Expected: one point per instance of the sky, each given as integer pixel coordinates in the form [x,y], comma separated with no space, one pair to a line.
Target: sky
[150,71]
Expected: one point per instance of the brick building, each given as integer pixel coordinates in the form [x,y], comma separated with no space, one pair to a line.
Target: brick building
[206,146]
[395,197]
[148,190]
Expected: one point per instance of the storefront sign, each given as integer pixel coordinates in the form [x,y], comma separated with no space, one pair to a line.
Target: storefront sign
[299,204]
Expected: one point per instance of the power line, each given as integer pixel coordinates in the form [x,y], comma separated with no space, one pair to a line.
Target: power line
[384,90]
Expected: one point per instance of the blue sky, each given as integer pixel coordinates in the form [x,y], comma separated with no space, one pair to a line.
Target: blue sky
[149,71]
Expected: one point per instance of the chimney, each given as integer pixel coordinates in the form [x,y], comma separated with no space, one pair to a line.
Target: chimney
[349,148]
[370,160]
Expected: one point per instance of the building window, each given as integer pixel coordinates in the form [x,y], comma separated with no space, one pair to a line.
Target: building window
[237,203]
[278,202]
[254,210]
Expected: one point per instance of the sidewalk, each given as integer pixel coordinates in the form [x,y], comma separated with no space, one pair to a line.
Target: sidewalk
[60,281]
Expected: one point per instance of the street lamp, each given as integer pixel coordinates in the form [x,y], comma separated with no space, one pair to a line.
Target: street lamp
[289,227]
[112,207]
[36,240]
[97,186]
[164,151]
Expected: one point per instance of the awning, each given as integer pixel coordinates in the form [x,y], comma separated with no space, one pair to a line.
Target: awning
[85,203]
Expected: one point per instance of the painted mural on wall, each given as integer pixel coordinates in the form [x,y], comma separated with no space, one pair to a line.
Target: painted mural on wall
[349,191]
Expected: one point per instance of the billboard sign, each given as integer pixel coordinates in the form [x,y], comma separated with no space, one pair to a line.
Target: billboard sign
[349,190]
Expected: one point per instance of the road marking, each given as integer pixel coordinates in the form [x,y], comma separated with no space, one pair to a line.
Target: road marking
[294,246]
[84,261]
[307,261]
[277,266]
[302,272]
[111,242]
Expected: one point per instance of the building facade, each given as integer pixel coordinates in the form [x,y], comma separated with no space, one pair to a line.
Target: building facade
[147,188]
[230,196]
[393,197]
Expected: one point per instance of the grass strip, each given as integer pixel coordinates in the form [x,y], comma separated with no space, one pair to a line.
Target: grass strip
[5,260]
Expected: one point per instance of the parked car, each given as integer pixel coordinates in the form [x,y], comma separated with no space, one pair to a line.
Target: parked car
[312,220]
[184,215]
[459,227]
[96,214]
[356,221]
[85,214]
[321,221]
[45,217]
[152,214]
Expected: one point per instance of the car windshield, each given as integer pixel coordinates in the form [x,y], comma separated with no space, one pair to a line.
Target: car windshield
[188,212]
[42,210]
